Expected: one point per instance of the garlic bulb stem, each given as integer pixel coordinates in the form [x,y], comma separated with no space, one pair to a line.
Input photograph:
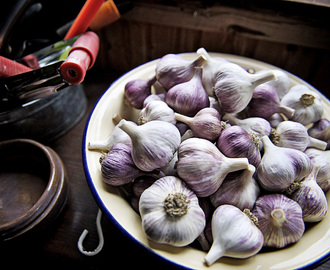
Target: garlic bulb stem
[262,77]
[278,216]
[218,251]
[316,143]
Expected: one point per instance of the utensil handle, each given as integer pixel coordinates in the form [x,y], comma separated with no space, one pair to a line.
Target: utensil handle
[9,67]
[81,58]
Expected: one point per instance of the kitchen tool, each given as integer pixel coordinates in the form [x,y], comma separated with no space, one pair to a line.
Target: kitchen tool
[310,250]
[18,90]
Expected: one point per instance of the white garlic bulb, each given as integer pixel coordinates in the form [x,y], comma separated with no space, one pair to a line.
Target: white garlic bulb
[281,82]
[171,213]
[281,166]
[156,110]
[153,144]
[279,219]
[311,198]
[306,103]
[234,235]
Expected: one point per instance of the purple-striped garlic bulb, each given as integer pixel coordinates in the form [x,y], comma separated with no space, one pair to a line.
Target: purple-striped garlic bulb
[265,102]
[172,69]
[189,97]
[153,143]
[156,110]
[322,159]
[205,124]
[321,130]
[239,189]
[279,219]
[136,91]
[171,213]
[294,135]
[234,86]
[311,197]
[234,235]
[281,166]
[203,167]
[236,142]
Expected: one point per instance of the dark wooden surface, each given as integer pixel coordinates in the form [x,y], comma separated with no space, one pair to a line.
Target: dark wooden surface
[56,247]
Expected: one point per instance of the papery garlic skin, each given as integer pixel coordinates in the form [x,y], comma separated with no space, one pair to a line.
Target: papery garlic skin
[153,144]
[118,167]
[171,213]
[279,219]
[116,136]
[281,82]
[205,124]
[234,86]
[238,189]
[236,142]
[321,130]
[311,198]
[280,166]
[136,91]
[294,135]
[210,69]
[322,159]
[203,167]
[306,103]
[172,69]
[234,235]
[156,110]
[188,98]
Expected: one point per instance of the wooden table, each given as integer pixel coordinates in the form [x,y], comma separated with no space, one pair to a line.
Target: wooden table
[57,246]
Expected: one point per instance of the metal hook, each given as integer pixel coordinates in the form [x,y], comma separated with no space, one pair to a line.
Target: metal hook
[100,235]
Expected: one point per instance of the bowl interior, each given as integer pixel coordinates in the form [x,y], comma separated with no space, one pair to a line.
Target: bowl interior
[313,246]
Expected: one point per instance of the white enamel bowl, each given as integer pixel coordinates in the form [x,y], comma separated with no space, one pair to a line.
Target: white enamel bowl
[313,247]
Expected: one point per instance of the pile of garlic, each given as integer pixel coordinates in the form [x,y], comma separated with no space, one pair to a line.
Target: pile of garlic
[222,156]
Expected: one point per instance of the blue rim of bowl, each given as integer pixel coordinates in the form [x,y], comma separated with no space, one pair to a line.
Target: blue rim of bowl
[137,243]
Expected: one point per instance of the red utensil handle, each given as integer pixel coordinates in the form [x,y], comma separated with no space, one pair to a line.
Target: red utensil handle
[9,67]
[81,58]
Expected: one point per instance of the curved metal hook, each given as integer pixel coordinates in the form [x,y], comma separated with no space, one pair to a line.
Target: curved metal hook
[100,235]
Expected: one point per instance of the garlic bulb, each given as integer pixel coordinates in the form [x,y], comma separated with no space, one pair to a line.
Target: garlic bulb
[253,125]
[153,144]
[321,130]
[236,142]
[118,167]
[172,69]
[156,110]
[239,189]
[279,219]
[210,69]
[234,235]
[281,82]
[322,159]
[294,135]
[116,136]
[170,212]
[234,86]
[280,166]
[153,97]
[188,97]
[265,102]
[136,91]
[203,167]
[311,198]
[205,124]
[306,103]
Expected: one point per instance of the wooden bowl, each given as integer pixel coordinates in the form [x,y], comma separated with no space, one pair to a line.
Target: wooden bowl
[33,187]
[312,248]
